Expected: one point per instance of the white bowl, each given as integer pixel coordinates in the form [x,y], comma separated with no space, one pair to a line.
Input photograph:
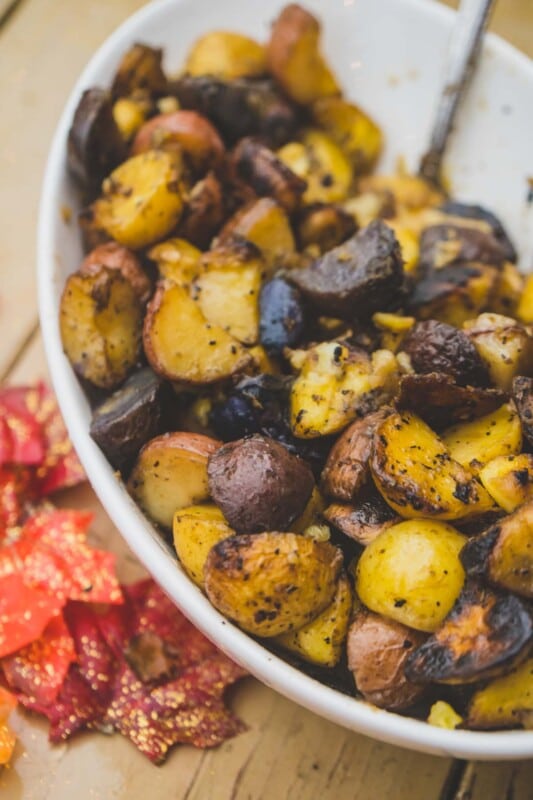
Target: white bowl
[389,56]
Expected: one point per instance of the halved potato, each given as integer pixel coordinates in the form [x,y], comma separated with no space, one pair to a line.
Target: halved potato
[176,259]
[357,135]
[509,480]
[364,521]
[227,55]
[321,163]
[264,223]
[171,473]
[412,573]
[142,199]
[321,641]
[416,474]
[506,702]
[505,345]
[272,583]
[324,226]
[140,69]
[267,174]
[294,58]
[100,319]
[182,345]
[115,256]
[475,443]
[196,529]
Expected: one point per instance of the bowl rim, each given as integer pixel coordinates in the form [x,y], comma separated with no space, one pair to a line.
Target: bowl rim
[349,712]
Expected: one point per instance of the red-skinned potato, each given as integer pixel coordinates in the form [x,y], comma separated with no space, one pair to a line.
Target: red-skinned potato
[189,131]
[114,256]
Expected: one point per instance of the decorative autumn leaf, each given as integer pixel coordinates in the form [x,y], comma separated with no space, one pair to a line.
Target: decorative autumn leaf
[22,439]
[25,611]
[16,489]
[7,738]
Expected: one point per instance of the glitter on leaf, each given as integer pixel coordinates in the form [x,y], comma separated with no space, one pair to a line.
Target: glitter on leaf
[25,611]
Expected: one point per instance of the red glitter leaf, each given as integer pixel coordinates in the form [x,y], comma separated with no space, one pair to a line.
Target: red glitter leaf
[96,663]
[21,437]
[38,670]
[25,611]
[16,488]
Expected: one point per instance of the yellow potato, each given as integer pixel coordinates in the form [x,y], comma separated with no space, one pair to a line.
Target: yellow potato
[229,298]
[264,223]
[196,530]
[475,443]
[129,116]
[176,259]
[319,161]
[504,344]
[142,199]
[226,55]
[353,130]
[312,513]
[442,715]
[505,702]
[524,312]
[509,480]
[411,573]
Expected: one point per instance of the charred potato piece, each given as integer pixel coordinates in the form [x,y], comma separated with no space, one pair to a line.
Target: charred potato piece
[474,443]
[215,356]
[196,529]
[335,385]
[417,476]
[454,294]
[522,389]
[324,226]
[436,347]
[504,553]
[440,402]
[504,345]
[355,132]
[95,146]
[509,480]
[282,316]
[321,164]
[412,573]
[204,212]
[441,245]
[474,212]
[347,469]
[377,651]
[272,583]
[359,277]
[141,200]
[170,474]
[226,55]
[321,641]
[267,174]
[505,702]
[131,416]
[362,522]
[259,485]
[264,223]
[483,635]
[140,71]
[100,319]
[240,108]
[176,259]
[294,57]
[115,256]
[186,131]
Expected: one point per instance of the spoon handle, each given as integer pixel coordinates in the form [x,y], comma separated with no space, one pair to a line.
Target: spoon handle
[463,51]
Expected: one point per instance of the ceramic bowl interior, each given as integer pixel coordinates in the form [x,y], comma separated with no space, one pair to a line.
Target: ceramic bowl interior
[389,56]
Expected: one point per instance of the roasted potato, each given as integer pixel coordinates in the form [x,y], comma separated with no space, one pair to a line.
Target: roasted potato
[442,245]
[524,310]
[522,391]
[240,108]
[436,347]
[335,385]
[417,476]
[204,212]
[321,165]
[142,200]
[176,259]
[347,469]
[267,174]
[259,485]
[215,356]
[475,443]
[129,116]
[504,345]
[363,275]
[412,573]
[409,192]
[272,583]
[509,480]
[140,70]
[170,473]
[504,553]
[264,223]
[100,320]
[196,529]
[95,145]
[226,55]
[394,327]
[440,402]
[115,256]
[131,416]
[185,131]
[506,702]
[443,715]
[312,513]
[365,207]
[483,635]
[294,57]
[364,521]
[282,316]
[355,132]
[508,291]
[377,651]
[474,212]
[324,226]
[321,641]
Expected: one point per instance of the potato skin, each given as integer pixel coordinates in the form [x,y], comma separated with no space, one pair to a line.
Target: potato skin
[522,391]
[505,345]
[140,70]
[362,522]
[272,582]
[227,55]
[204,212]
[267,174]
[434,346]
[448,244]
[259,485]
[324,225]
[378,649]
[412,573]
[114,256]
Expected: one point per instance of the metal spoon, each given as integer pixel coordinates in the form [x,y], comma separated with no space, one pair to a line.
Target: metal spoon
[463,52]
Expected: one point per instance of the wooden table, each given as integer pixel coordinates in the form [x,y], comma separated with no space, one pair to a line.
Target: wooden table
[287,753]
